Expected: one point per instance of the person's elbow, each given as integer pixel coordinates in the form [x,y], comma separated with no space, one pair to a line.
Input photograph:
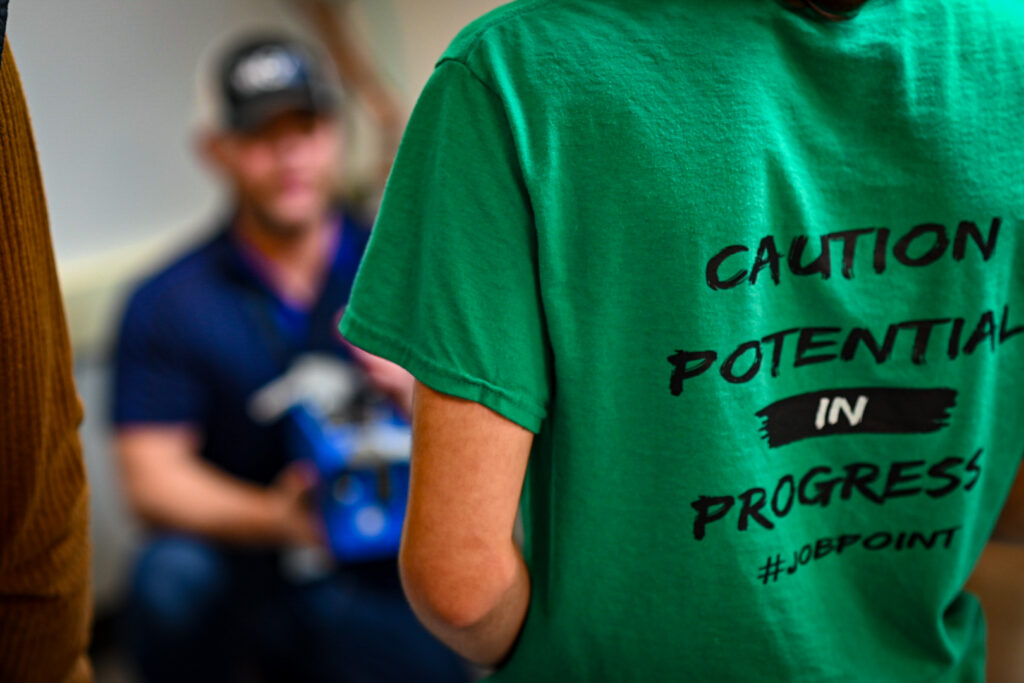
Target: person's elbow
[455,588]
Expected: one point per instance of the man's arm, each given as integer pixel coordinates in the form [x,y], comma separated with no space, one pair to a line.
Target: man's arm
[169,485]
[462,572]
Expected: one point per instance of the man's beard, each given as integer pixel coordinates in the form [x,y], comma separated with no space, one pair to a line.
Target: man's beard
[284,229]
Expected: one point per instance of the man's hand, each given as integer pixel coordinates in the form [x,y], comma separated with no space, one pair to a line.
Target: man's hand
[291,500]
[390,379]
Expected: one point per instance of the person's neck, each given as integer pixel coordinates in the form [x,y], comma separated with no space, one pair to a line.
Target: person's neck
[296,264]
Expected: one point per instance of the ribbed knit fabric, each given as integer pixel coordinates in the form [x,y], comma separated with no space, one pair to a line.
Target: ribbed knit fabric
[44,548]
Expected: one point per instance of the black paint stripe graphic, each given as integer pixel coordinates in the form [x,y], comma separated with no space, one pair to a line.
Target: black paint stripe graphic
[878,410]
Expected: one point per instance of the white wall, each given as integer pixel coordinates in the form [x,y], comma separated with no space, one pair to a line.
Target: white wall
[111,85]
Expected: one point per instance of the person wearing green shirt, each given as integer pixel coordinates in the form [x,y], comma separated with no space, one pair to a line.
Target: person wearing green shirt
[722,297]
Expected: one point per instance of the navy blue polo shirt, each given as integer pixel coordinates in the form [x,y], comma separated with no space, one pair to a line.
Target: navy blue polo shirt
[199,338]
[3,26]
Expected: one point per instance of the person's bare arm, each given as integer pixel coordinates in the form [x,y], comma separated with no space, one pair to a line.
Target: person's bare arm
[462,571]
[170,486]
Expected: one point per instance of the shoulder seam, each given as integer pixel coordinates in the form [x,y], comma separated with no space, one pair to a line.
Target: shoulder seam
[526,7]
[469,69]
[498,99]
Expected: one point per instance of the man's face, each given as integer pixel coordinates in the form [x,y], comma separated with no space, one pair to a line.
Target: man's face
[284,171]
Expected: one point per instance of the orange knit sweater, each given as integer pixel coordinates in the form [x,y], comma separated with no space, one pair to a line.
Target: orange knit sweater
[44,548]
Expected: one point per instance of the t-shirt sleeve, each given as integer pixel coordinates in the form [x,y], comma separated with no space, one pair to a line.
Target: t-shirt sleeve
[157,379]
[449,287]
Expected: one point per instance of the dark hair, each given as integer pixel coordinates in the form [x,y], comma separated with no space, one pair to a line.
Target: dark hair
[829,10]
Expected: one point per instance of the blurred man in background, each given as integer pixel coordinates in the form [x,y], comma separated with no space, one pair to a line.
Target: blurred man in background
[199,341]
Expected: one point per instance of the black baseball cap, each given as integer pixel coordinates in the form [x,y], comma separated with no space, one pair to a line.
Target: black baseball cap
[265,76]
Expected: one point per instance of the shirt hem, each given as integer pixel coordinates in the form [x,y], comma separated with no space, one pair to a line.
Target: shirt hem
[391,346]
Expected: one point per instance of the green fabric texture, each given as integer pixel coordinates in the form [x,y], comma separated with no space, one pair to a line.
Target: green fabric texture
[750,279]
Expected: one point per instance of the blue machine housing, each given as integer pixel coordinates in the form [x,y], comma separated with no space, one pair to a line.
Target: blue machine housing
[363,483]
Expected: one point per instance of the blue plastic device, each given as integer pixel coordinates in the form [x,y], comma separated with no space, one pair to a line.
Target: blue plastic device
[363,470]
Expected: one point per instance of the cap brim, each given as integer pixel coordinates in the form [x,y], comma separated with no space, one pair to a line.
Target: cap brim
[256,113]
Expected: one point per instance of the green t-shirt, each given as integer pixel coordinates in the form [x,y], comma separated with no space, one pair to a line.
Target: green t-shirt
[750,279]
